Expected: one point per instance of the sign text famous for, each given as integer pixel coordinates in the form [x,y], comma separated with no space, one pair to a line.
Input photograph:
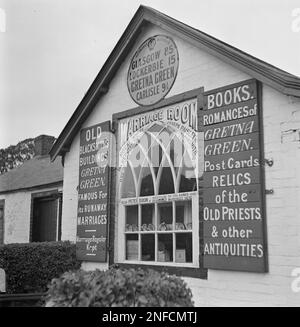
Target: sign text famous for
[92,217]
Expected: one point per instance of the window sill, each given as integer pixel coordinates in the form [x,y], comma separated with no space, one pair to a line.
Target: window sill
[181,271]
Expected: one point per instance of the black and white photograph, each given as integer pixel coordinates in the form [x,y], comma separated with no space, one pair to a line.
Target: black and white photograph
[149,156]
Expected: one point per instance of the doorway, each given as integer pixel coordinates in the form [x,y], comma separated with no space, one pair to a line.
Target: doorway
[46,222]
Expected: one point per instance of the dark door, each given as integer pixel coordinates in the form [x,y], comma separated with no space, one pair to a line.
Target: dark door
[44,225]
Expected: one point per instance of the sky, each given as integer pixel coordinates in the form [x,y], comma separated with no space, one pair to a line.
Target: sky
[51,50]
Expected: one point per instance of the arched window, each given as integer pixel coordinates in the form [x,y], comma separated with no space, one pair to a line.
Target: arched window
[158,213]
[160,165]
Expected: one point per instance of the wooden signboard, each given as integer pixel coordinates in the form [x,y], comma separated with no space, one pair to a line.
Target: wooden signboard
[93,193]
[233,181]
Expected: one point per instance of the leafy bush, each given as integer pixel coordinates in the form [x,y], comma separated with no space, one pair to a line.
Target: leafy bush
[118,288]
[30,267]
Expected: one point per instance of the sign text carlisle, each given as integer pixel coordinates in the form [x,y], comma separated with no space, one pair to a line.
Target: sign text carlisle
[153,70]
[93,193]
[233,188]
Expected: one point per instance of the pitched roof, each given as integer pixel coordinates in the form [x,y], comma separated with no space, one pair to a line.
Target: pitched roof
[278,79]
[36,172]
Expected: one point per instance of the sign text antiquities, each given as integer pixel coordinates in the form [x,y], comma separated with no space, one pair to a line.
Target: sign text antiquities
[232,196]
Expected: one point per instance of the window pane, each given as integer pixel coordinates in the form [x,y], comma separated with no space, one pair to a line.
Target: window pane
[183,215]
[131,218]
[187,178]
[184,250]
[147,187]
[164,138]
[148,247]
[128,187]
[137,159]
[132,247]
[165,216]
[176,152]
[165,247]
[156,155]
[166,185]
[148,213]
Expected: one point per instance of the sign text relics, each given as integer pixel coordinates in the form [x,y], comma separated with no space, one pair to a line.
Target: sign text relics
[233,201]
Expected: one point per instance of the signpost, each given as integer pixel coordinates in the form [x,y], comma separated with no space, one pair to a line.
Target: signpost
[93,193]
[153,70]
[233,188]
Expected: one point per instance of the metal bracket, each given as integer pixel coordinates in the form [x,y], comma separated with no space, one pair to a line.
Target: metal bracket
[269,162]
[270,191]
[113,126]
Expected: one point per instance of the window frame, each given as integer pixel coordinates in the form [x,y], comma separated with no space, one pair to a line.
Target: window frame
[193,196]
[197,272]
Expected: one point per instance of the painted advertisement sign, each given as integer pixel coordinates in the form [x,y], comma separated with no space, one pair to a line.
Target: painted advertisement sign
[93,193]
[233,190]
[153,70]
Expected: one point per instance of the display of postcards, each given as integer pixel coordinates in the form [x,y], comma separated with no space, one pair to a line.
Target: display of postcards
[128,228]
[163,256]
[144,227]
[151,227]
[162,226]
[169,226]
[179,226]
[132,249]
[180,255]
[131,228]
[189,226]
[132,246]
[134,228]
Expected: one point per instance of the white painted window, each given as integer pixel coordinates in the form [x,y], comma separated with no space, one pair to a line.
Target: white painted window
[158,220]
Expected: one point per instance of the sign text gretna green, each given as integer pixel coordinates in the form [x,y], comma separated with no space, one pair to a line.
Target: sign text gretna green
[153,70]
[233,194]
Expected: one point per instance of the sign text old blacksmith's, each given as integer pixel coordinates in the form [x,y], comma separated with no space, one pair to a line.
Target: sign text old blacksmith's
[93,193]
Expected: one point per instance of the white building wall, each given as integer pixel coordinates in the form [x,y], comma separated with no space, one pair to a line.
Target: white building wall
[16,217]
[17,211]
[280,114]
